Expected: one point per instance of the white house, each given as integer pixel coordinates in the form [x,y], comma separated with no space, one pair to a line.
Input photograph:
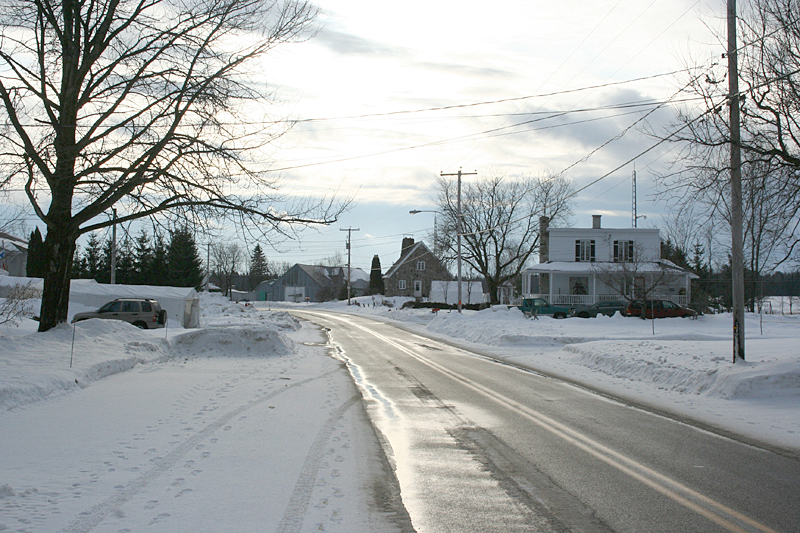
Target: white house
[587,265]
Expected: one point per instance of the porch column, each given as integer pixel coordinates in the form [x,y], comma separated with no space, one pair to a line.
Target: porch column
[594,288]
[550,288]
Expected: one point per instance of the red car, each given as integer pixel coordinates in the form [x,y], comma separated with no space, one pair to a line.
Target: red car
[658,309]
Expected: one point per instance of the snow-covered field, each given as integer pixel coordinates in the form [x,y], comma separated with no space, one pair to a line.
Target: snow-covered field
[676,365]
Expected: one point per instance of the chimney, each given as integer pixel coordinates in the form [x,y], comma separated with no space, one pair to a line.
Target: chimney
[408,242]
[596,221]
[544,239]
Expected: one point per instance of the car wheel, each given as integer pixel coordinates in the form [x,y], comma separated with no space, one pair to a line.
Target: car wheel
[560,315]
[583,315]
[139,324]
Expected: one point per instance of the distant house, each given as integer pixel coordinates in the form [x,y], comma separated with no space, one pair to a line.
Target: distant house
[13,255]
[413,274]
[587,265]
[312,283]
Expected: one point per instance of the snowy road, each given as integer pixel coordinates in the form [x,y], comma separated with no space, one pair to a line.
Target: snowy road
[216,437]
[482,446]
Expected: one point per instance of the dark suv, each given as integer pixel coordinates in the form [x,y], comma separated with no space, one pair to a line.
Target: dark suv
[144,313]
[658,309]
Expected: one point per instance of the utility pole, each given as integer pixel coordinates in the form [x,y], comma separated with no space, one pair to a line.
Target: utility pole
[349,231]
[458,226]
[633,194]
[114,247]
[208,267]
[737,252]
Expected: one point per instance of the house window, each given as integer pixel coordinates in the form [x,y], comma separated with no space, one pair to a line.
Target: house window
[623,251]
[420,265]
[401,284]
[584,250]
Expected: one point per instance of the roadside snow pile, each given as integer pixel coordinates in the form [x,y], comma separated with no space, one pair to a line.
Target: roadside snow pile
[216,310]
[232,342]
[36,366]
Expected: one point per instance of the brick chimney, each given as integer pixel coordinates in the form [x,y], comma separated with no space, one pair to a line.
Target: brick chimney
[408,242]
[544,239]
[596,221]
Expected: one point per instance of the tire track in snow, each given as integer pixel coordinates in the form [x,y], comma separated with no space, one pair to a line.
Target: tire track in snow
[90,518]
[296,510]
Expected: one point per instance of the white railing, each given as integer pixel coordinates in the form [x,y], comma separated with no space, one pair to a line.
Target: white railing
[588,299]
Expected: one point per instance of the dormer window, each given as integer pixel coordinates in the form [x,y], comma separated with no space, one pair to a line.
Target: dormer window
[623,251]
[584,250]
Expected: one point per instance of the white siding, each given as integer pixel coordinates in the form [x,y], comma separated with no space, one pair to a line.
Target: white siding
[562,242]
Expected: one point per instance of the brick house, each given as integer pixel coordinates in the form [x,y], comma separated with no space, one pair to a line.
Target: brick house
[413,273]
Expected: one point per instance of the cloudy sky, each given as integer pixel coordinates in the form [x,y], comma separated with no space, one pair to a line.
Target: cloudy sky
[385,97]
[388,97]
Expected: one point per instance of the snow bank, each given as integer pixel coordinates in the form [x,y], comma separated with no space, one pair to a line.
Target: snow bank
[40,365]
[35,366]
[232,342]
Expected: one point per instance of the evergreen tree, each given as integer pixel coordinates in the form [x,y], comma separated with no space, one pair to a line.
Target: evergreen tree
[184,266]
[259,268]
[142,259]
[125,273]
[104,271]
[675,254]
[375,277]
[37,255]
[157,270]
[92,258]
[78,264]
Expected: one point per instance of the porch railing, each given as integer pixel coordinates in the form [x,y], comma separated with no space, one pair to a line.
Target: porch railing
[588,299]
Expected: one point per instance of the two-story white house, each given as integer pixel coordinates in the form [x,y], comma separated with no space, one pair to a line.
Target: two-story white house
[587,265]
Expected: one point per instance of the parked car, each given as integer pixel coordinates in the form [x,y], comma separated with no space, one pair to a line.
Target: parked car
[658,309]
[606,308]
[144,313]
[539,306]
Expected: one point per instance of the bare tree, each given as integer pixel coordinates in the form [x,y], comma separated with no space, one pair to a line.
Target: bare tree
[146,106]
[770,137]
[500,221]
[638,277]
[18,303]
[225,262]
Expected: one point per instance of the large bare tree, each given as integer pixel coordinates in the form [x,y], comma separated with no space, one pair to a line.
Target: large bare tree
[225,262]
[154,107]
[770,137]
[500,221]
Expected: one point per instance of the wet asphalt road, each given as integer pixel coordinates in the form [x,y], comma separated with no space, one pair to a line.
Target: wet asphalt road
[479,445]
